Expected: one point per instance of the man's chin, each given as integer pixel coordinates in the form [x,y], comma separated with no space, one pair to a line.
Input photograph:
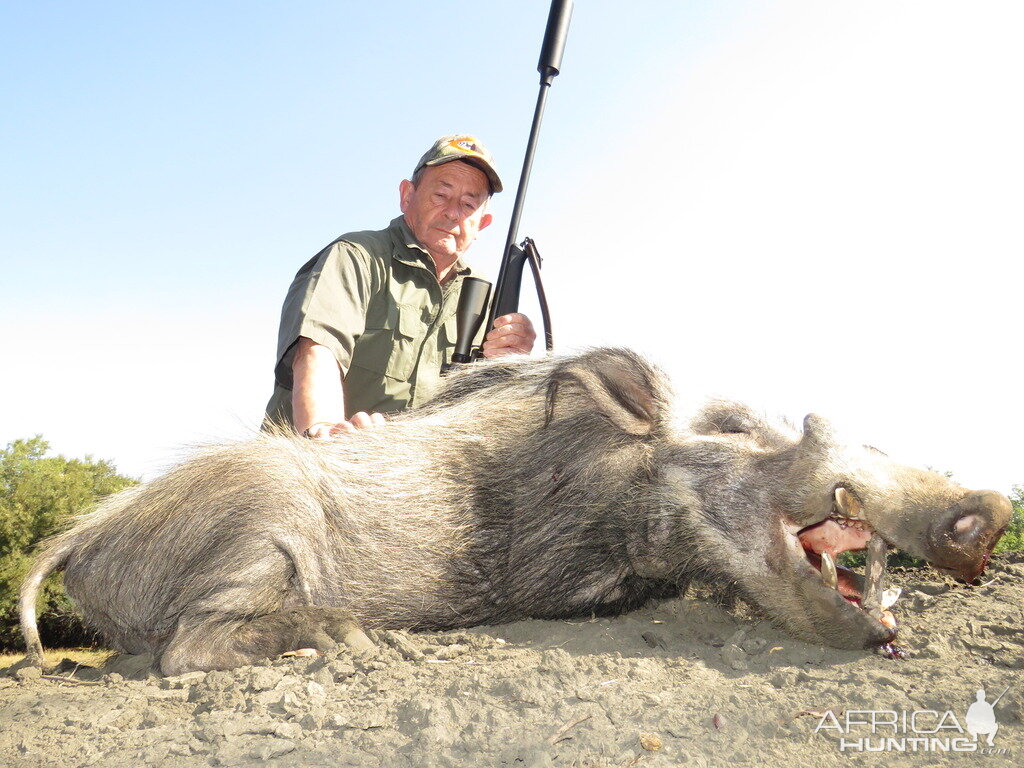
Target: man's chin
[443,249]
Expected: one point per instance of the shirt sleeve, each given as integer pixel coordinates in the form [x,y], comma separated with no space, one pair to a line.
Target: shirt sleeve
[327,303]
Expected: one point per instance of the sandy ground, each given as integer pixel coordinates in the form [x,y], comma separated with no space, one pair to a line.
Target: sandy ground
[687,682]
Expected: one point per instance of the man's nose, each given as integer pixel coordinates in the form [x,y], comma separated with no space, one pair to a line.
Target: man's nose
[452,211]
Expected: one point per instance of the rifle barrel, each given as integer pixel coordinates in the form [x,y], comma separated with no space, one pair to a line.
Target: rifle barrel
[506,295]
[555,34]
[503,301]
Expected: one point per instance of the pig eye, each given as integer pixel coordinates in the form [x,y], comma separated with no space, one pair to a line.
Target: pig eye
[734,425]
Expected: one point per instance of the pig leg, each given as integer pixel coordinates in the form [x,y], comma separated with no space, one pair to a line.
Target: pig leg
[256,612]
[223,642]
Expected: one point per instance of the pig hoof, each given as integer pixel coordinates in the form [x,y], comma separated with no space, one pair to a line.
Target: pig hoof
[300,653]
[357,640]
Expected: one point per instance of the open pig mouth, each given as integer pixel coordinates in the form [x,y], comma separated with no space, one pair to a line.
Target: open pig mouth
[824,541]
[845,530]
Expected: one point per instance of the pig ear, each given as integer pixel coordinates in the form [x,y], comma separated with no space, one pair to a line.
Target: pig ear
[620,384]
[818,431]
[815,465]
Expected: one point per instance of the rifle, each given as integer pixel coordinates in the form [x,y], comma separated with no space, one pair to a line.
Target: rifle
[475,291]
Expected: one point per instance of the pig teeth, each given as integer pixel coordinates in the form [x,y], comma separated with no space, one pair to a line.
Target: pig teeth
[828,571]
[858,523]
[889,597]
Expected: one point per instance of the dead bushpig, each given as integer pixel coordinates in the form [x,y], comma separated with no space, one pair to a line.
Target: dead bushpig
[528,488]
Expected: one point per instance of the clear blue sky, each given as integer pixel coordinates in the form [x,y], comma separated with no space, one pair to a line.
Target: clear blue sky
[807,204]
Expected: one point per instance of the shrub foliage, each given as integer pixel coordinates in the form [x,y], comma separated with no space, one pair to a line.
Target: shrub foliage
[38,494]
[1013,539]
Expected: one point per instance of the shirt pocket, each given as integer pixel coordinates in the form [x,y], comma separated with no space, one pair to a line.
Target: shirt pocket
[408,335]
[389,348]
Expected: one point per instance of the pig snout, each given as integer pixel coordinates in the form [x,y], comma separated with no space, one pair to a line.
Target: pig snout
[962,539]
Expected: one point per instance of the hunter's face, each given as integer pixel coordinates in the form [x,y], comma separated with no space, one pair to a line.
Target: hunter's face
[446,209]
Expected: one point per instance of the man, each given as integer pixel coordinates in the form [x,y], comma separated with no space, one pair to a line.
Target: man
[369,321]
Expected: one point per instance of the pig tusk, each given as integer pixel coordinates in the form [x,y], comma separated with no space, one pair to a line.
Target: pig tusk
[889,597]
[874,573]
[828,571]
[847,504]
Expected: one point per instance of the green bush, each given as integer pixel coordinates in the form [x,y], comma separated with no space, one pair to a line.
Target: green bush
[38,494]
[1013,539]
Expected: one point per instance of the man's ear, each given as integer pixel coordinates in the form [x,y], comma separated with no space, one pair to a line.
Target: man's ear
[404,190]
[485,220]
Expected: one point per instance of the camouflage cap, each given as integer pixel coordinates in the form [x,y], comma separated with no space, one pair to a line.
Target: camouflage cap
[461,146]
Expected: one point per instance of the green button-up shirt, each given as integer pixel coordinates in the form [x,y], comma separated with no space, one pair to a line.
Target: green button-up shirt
[374,300]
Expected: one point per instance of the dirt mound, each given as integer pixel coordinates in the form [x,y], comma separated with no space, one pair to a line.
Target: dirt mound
[684,682]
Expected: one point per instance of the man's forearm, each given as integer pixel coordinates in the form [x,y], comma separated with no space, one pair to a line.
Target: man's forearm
[317,393]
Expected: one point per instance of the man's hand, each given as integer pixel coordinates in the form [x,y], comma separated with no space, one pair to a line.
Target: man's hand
[512,334]
[318,399]
[324,430]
